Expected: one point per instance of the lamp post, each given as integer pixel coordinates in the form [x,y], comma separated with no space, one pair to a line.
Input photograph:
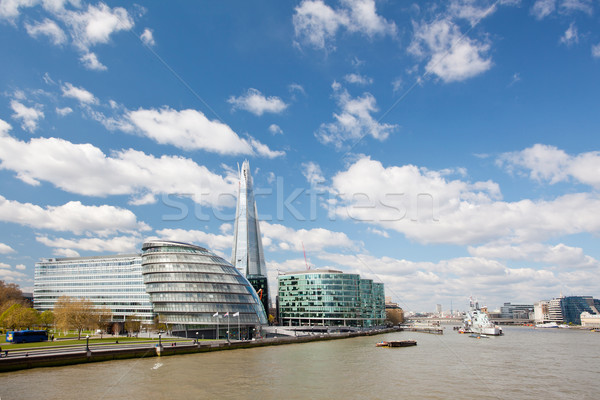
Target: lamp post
[87,343]
[159,342]
[196,337]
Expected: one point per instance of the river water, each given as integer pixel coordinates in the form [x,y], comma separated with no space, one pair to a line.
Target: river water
[525,363]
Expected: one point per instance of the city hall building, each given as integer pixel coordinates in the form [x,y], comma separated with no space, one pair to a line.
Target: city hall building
[329,297]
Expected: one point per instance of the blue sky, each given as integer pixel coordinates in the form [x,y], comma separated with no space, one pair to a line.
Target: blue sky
[445,148]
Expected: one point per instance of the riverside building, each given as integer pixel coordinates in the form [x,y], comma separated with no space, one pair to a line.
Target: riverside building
[565,310]
[329,297]
[248,255]
[199,294]
[111,281]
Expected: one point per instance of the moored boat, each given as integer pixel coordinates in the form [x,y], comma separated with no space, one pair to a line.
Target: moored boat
[477,321]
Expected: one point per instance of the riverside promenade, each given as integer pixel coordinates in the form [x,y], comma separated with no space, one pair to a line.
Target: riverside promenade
[76,354]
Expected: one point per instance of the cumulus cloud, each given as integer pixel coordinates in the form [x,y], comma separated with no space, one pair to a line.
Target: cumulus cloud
[559,255]
[208,240]
[6,249]
[570,36]
[312,173]
[48,28]
[78,93]
[275,129]
[255,102]
[147,37]
[280,237]
[29,116]
[545,163]
[9,274]
[84,169]
[96,24]
[64,111]
[192,130]
[472,10]
[358,79]
[71,217]
[86,27]
[354,120]
[316,23]
[118,244]
[65,253]
[596,51]
[90,61]
[452,55]
[543,8]
[427,207]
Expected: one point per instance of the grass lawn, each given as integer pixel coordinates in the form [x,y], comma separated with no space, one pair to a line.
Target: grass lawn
[10,346]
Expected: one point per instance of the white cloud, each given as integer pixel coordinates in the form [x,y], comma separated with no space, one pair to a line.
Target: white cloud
[315,22]
[8,274]
[354,121]
[64,111]
[96,24]
[596,51]
[147,37]
[192,130]
[207,240]
[378,232]
[472,10]
[559,255]
[427,207]
[358,79]
[84,169]
[47,28]
[118,244]
[453,56]
[570,36]
[312,173]
[78,93]
[6,249]
[65,253]
[29,116]
[90,61]
[72,217]
[585,6]
[253,101]
[295,87]
[548,163]
[543,8]
[20,267]
[281,237]
[275,129]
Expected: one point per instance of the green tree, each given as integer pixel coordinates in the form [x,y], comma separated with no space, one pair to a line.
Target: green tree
[78,314]
[17,316]
[47,319]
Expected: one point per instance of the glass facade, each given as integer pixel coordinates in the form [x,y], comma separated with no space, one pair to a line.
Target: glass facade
[111,281]
[193,289]
[573,306]
[247,253]
[330,298]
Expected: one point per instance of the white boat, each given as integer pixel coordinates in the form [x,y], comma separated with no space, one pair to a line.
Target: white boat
[547,325]
[476,321]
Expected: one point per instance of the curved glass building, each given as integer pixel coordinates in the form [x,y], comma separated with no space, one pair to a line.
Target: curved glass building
[195,291]
[329,297]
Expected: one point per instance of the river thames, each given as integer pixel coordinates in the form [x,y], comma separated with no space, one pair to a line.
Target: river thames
[525,363]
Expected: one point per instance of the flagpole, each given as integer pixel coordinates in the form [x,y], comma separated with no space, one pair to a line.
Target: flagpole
[238,326]
[228,326]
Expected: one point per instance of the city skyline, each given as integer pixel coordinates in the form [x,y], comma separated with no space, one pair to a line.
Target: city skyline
[444,148]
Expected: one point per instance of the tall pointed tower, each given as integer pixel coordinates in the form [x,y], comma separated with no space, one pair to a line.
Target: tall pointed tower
[248,255]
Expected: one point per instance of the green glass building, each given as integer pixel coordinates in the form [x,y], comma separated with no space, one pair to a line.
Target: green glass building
[329,297]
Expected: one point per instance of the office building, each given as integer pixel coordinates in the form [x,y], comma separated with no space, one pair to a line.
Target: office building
[590,320]
[248,255]
[197,293]
[516,311]
[114,282]
[393,313]
[565,310]
[329,297]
